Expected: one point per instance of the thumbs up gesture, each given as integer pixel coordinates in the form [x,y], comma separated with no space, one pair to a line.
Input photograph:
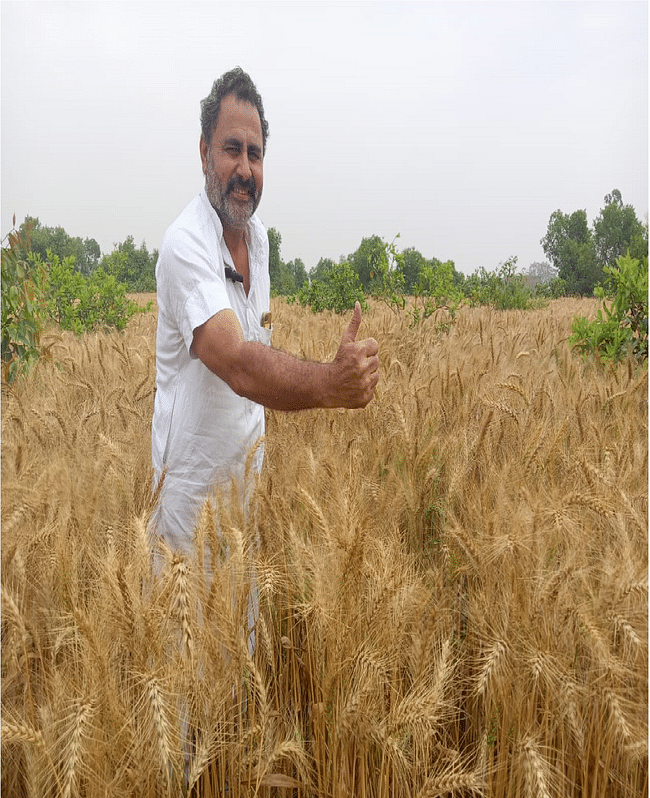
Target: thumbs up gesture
[356,366]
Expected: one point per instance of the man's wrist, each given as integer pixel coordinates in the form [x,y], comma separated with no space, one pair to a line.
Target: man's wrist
[325,385]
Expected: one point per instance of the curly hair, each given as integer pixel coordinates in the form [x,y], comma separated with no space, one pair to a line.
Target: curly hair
[236,82]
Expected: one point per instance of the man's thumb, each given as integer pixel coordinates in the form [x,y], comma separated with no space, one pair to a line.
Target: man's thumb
[353,327]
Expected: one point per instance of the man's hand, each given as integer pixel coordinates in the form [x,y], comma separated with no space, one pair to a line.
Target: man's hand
[356,367]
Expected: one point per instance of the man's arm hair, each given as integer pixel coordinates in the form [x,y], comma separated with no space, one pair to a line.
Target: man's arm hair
[280,381]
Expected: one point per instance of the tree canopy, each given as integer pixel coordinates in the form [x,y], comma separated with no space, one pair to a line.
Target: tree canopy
[368,261]
[134,267]
[580,254]
[39,238]
[286,278]
[617,229]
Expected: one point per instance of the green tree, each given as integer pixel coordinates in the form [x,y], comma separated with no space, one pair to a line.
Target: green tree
[434,289]
[569,245]
[639,243]
[39,239]
[321,269]
[370,261]
[617,230]
[286,278]
[275,261]
[298,273]
[414,263]
[387,280]
[136,268]
[503,289]
[337,288]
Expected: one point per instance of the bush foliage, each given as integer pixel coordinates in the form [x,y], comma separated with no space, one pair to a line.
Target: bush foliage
[24,307]
[621,324]
[338,289]
[435,289]
[81,304]
[437,285]
[37,293]
[502,289]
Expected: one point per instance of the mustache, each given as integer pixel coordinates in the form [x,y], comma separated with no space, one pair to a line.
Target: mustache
[247,185]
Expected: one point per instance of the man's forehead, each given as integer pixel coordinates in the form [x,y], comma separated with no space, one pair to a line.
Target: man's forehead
[238,114]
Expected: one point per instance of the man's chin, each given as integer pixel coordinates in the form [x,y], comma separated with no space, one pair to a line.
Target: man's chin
[235,218]
[239,221]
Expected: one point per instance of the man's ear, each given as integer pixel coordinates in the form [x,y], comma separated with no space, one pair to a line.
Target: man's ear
[203,149]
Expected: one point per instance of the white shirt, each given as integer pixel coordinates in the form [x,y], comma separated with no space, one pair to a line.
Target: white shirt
[202,431]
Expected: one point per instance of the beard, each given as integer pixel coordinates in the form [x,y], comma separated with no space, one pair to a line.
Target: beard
[233,213]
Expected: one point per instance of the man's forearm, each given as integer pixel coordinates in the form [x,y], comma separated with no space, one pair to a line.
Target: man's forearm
[280,381]
[283,382]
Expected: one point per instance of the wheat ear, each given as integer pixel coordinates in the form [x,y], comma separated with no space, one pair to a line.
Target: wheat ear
[453,784]
[73,747]
[15,731]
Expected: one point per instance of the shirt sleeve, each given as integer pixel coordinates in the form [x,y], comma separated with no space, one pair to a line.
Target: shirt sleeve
[191,280]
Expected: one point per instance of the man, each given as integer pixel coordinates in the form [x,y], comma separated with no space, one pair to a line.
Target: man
[216,370]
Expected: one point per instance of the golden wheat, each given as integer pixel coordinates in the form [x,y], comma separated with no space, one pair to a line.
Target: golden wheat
[452,583]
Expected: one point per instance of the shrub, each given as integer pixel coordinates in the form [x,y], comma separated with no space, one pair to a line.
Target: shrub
[37,292]
[435,289]
[502,289]
[24,308]
[79,303]
[554,289]
[338,289]
[621,324]
[387,275]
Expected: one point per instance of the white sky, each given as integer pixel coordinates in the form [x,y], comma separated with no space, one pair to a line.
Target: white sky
[462,126]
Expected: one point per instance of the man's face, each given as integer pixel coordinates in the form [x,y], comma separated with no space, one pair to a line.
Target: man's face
[233,161]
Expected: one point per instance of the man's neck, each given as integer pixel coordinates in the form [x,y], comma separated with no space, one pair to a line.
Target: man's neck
[235,239]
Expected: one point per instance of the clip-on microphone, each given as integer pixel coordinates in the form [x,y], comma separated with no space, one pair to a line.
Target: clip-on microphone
[231,274]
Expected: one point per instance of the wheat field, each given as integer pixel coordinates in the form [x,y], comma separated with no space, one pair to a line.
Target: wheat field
[453,582]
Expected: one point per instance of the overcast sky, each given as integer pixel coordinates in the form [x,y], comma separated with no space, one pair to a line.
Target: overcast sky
[461,126]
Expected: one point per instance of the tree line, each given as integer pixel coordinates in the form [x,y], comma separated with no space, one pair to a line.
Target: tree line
[577,256]
[131,265]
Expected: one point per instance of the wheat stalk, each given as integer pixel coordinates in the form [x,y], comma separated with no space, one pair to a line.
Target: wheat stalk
[494,663]
[16,617]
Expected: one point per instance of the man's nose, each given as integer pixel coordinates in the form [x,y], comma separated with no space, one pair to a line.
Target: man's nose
[244,167]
